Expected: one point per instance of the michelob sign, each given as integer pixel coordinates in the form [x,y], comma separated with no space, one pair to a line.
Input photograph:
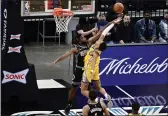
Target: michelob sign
[137,73]
[134,65]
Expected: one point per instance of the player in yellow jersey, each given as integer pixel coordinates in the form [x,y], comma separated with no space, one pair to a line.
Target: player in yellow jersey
[135,109]
[81,45]
[91,64]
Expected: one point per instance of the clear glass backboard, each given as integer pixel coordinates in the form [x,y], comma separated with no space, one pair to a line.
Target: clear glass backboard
[45,7]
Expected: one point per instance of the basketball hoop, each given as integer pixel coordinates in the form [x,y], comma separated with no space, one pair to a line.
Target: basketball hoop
[62,18]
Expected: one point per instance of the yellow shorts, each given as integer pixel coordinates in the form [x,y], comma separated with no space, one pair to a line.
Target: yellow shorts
[87,75]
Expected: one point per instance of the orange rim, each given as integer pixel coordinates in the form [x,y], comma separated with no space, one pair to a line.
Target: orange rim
[62,12]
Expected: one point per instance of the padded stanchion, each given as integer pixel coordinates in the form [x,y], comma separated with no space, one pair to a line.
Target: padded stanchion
[18,78]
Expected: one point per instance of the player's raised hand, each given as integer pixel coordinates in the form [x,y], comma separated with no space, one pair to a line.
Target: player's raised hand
[120,15]
[53,63]
[118,20]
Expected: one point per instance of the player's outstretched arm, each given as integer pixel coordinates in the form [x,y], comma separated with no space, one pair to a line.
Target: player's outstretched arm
[104,27]
[112,22]
[97,36]
[104,33]
[85,110]
[93,39]
[64,56]
[87,32]
[107,27]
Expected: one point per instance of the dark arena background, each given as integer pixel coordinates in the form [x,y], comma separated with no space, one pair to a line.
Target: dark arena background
[130,72]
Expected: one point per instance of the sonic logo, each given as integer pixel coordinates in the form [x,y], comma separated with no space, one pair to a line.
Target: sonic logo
[15,37]
[14,49]
[19,76]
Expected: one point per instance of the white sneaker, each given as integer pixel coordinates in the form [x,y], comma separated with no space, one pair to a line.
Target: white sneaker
[109,102]
[108,98]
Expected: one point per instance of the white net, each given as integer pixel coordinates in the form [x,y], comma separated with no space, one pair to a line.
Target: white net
[62,22]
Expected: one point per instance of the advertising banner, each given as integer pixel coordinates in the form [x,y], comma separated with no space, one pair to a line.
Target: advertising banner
[13,55]
[17,76]
[134,65]
[123,111]
[4,25]
[134,73]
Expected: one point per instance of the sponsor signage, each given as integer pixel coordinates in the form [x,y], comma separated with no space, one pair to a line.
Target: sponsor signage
[134,65]
[18,76]
[4,28]
[134,73]
[17,37]
[123,111]
[118,111]
[14,49]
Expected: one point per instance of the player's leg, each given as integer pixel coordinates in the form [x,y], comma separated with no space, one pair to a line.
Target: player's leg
[85,84]
[84,89]
[97,84]
[98,87]
[71,95]
[75,83]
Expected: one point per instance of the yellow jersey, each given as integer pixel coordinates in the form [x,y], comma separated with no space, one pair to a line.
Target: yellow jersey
[88,58]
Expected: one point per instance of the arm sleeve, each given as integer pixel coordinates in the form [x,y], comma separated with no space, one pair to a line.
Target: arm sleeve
[108,29]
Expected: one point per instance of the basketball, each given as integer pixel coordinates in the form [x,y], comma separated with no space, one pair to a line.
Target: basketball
[118,7]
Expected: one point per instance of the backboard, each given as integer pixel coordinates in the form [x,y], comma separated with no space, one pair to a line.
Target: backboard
[45,7]
[80,7]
